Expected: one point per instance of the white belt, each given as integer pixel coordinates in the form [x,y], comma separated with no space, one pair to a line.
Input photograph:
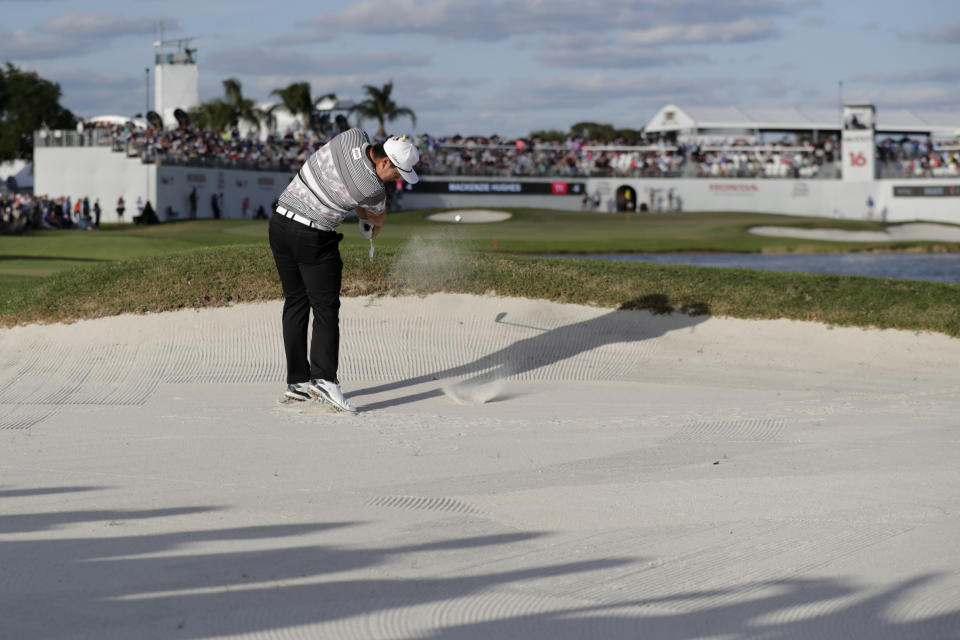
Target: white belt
[286,213]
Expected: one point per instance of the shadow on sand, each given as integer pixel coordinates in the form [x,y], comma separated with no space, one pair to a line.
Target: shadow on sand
[550,346]
[173,585]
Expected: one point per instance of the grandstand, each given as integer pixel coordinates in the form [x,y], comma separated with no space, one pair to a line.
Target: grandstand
[703,159]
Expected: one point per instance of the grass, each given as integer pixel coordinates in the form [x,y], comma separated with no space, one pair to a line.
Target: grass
[529,231]
[537,231]
[42,253]
[214,263]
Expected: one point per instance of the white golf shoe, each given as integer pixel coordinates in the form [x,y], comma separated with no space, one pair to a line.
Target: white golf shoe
[299,392]
[330,392]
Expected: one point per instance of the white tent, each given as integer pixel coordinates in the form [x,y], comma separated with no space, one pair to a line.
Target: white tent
[691,121]
[20,170]
[285,121]
[119,120]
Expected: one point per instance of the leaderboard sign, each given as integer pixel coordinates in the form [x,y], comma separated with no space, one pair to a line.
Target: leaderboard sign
[857,138]
[938,191]
[499,188]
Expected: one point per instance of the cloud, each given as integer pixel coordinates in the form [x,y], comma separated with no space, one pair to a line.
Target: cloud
[499,19]
[920,98]
[72,78]
[936,74]
[21,45]
[471,19]
[660,90]
[743,30]
[616,55]
[553,93]
[70,35]
[657,90]
[651,47]
[596,90]
[86,92]
[947,35]
[259,62]
[772,88]
[100,25]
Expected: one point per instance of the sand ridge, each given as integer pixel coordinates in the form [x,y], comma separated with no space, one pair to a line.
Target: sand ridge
[470,216]
[921,231]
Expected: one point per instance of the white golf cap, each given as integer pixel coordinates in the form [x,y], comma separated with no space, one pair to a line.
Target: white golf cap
[404,157]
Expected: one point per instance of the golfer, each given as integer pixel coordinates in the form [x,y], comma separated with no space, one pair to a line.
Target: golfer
[347,174]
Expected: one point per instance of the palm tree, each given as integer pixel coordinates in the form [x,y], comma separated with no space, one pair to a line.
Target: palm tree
[213,114]
[244,109]
[297,100]
[380,106]
[222,113]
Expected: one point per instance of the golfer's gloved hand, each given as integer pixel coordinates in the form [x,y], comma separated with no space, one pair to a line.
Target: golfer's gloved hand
[366,229]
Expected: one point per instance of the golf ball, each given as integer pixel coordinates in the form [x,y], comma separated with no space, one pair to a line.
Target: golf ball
[458,218]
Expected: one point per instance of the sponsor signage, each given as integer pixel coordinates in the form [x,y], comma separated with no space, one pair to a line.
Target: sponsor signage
[933,191]
[734,189]
[196,177]
[499,188]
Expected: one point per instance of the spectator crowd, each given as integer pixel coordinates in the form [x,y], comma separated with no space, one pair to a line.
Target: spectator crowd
[23,211]
[909,158]
[480,156]
[495,156]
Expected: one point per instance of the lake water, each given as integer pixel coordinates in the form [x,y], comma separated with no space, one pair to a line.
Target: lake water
[937,267]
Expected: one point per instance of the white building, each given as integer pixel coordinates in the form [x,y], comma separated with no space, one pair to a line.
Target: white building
[175,79]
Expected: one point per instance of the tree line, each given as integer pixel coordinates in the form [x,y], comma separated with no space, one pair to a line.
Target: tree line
[296,98]
[27,102]
[592,131]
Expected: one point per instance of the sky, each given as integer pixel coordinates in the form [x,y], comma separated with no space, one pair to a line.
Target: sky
[506,67]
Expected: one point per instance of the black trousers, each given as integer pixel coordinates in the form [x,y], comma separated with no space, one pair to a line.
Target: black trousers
[310,268]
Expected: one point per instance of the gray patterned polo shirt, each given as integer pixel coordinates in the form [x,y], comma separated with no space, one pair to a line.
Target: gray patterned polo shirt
[335,180]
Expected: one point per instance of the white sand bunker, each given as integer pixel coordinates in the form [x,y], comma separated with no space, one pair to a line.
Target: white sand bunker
[470,215]
[912,231]
[517,469]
